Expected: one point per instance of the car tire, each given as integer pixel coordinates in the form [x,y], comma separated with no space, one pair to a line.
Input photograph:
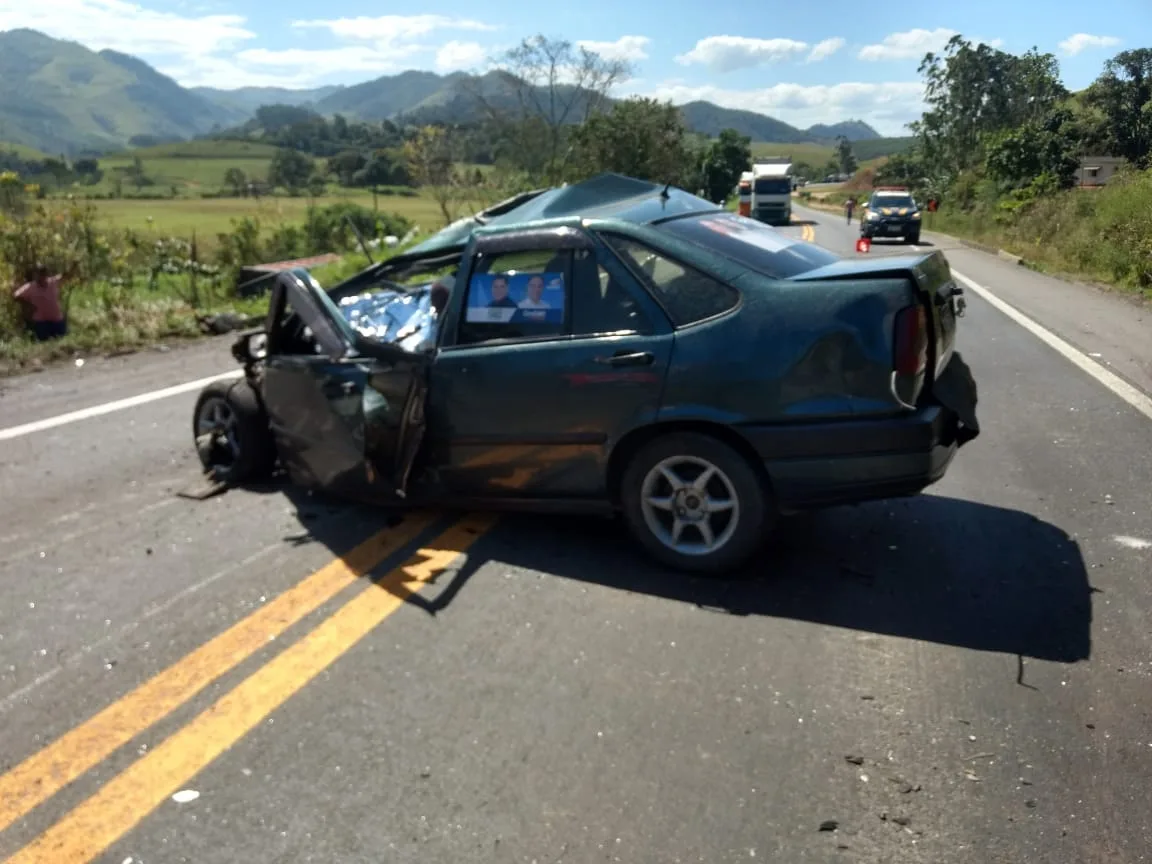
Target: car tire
[734,480]
[247,450]
[914,239]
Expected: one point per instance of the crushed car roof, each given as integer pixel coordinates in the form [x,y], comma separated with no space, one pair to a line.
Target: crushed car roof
[603,196]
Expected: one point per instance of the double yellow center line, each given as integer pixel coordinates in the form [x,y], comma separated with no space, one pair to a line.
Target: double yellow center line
[120,804]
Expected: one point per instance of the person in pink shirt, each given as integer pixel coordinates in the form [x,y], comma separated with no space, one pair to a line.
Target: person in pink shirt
[40,299]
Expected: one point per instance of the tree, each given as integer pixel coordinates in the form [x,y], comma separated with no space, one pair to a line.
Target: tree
[1124,94]
[845,158]
[273,118]
[1043,150]
[290,169]
[973,92]
[643,138]
[539,90]
[345,164]
[136,174]
[724,160]
[236,178]
[432,163]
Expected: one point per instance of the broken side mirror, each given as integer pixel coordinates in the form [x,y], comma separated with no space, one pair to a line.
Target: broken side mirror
[251,347]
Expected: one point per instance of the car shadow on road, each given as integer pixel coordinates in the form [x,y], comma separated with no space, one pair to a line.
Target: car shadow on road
[932,568]
[929,567]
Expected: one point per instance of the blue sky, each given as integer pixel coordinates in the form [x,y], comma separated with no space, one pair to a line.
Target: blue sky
[803,63]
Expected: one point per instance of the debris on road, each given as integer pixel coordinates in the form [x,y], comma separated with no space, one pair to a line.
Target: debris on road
[855,760]
[184,796]
[829,825]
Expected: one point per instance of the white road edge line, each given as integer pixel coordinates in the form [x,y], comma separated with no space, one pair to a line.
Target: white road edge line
[1133,396]
[109,407]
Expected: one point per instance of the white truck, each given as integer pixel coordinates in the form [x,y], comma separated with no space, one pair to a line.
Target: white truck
[772,183]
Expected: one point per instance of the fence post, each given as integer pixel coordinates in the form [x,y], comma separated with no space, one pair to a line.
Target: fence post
[193,267]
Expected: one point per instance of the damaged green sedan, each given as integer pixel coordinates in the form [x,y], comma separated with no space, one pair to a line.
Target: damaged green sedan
[614,347]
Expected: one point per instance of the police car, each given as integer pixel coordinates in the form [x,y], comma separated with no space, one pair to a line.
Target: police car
[891,211]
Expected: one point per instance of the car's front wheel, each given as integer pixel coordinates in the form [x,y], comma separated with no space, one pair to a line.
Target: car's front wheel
[695,503]
[231,432]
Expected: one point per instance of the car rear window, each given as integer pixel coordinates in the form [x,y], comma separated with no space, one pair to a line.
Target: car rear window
[892,201]
[753,244]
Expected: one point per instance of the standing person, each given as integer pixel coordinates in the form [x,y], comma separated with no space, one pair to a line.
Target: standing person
[40,299]
[849,206]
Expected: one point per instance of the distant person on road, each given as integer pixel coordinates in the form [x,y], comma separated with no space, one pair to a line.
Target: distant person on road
[39,299]
[849,206]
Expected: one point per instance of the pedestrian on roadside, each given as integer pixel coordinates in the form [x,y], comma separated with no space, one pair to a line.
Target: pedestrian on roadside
[849,206]
[39,299]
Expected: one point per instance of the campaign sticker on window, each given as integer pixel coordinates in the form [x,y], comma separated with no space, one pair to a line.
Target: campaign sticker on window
[501,298]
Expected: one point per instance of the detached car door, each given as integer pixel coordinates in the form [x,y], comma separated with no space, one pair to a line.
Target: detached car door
[551,352]
[344,416]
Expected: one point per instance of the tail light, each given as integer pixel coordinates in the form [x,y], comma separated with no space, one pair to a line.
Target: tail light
[745,209]
[911,348]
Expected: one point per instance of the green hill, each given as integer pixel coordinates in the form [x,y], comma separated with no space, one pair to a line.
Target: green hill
[60,97]
[246,100]
[853,130]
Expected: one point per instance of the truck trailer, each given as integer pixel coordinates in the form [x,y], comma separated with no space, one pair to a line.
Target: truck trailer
[772,191]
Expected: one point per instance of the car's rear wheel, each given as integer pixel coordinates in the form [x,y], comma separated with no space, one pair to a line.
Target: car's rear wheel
[695,504]
[231,432]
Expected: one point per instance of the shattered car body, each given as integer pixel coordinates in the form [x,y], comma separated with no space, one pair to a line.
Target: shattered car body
[609,347]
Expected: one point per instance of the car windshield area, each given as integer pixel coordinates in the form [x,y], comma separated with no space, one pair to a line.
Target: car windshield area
[750,243]
[773,186]
[401,314]
[879,201]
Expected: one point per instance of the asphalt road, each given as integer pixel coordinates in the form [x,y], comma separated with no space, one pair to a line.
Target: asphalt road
[965,676]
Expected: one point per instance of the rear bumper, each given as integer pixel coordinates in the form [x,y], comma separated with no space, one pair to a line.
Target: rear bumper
[889,229]
[851,461]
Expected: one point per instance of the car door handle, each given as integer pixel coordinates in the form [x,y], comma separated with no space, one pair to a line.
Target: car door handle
[628,358]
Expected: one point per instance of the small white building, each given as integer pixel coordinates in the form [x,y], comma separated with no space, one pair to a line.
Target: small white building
[1097,170]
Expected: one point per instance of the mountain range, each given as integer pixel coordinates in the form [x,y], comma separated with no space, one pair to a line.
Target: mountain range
[61,97]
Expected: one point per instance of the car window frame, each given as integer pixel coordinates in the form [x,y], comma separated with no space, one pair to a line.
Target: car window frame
[654,291]
[654,314]
[553,240]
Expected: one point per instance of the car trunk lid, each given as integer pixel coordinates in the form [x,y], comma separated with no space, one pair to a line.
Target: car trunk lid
[930,280]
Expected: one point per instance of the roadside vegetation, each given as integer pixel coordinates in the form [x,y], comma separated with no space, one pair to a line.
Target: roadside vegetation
[1005,168]
[156,236]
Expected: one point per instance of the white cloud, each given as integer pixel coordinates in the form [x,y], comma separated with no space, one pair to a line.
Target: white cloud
[729,53]
[391,29]
[914,44]
[910,45]
[626,48]
[128,27]
[886,106]
[460,55]
[210,49]
[1079,42]
[825,49]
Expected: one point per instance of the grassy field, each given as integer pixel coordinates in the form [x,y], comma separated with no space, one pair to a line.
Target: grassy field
[208,216]
[22,151]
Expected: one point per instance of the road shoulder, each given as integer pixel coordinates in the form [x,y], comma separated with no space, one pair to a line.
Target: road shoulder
[1112,328]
